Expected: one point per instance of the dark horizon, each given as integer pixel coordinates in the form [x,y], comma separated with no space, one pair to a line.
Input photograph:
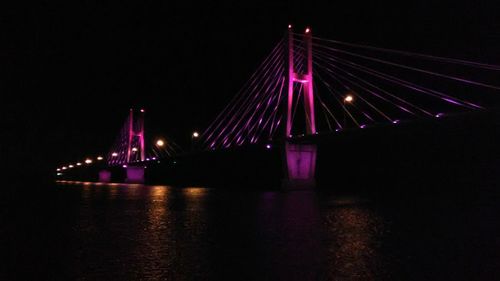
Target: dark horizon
[74,70]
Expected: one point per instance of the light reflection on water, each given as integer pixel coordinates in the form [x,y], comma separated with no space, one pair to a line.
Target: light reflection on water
[354,233]
[121,231]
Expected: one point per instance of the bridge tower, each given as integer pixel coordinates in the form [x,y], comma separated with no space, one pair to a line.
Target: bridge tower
[300,157]
[135,130]
[303,78]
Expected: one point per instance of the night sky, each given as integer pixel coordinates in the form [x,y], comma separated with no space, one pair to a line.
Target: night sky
[71,70]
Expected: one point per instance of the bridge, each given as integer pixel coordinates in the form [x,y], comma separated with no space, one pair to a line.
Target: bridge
[308,87]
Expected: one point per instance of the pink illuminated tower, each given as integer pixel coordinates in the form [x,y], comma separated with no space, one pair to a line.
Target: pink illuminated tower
[136,131]
[304,78]
[300,158]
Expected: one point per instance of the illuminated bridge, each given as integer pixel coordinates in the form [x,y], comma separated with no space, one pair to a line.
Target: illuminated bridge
[308,87]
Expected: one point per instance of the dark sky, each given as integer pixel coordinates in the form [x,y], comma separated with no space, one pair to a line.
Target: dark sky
[71,70]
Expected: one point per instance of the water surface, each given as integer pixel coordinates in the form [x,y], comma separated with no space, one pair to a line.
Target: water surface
[134,232]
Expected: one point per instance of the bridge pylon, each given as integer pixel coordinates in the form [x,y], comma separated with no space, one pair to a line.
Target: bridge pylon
[306,79]
[136,130]
[300,158]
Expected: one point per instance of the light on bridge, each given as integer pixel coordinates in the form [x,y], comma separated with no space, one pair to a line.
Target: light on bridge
[88,161]
[59,174]
[114,154]
[308,30]
[64,168]
[439,115]
[268,146]
[99,158]
[124,166]
[58,169]
[160,143]
[349,98]
[196,134]
[78,164]
[70,166]
[395,121]
[289,26]
[134,149]
[362,126]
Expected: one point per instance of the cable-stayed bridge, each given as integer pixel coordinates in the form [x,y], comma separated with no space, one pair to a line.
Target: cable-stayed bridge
[309,86]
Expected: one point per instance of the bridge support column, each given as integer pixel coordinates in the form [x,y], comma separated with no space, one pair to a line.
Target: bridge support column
[135,174]
[104,176]
[300,166]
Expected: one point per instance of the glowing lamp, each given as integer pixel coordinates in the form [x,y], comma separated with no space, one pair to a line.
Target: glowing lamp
[268,146]
[88,161]
[439,115]
[64,168]
[58,169]
[114,154]
[195,135]
[348,98]
[99,158]
[59,174]
[289,26]
[362,126]
[124,166]
[395,121]
[134,149]
[160,143]
[308,30]
[142,110]
[78,164]
[70,166]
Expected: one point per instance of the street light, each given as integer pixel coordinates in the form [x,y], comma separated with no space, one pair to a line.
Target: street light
[99,158]
[88,161]
[194,136]
[134,149]
[160,143]
[347,100]
[114,154]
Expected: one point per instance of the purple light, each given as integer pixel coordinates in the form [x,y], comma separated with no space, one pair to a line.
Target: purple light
[142,110]
[337,130]
[124,166]
[395,121]
[268,146]
[439,115]
[154,158]
[147,159]
[362,126]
